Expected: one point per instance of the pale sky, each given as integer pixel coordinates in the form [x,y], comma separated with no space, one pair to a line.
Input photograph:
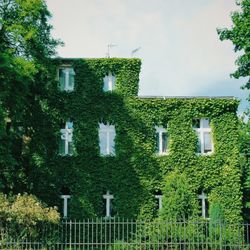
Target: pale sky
[180,50]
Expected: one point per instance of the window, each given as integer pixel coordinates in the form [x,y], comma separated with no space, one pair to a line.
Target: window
[108,206]
[109,82]
[66,79]
[203,131]
[203,202]
[65,205]
[161,140]
[107,139]
[159,197]
[66,140]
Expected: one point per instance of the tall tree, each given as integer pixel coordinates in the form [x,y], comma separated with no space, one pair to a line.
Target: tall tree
[26,47]
[239,34]
[244,138]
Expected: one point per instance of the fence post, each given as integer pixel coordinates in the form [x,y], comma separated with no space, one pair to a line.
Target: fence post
[220,236]
[70,234]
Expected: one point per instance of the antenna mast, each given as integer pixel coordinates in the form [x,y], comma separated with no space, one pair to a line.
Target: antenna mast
[134,51]
[110,45]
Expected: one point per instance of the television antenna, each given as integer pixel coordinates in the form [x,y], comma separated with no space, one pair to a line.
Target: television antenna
[134,51]
[110,46]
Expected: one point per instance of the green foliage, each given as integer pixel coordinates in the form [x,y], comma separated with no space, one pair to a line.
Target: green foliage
[240,37]
[244,138]
[180,200]
[216,214]
[26,210]
[221,232]
[25,52]
[135,173]
[24,216]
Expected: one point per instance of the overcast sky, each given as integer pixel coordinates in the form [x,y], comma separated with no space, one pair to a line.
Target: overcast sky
[180,49]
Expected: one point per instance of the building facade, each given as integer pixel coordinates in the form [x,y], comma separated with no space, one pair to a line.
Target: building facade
[108,151]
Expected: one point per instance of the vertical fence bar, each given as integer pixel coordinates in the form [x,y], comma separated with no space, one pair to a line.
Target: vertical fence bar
[101,236]
[114,234]
[92,234]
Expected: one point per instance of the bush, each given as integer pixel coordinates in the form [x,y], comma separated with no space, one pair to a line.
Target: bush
[179,200]
[23,216]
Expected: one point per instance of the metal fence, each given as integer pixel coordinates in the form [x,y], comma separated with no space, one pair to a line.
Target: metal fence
[116,234]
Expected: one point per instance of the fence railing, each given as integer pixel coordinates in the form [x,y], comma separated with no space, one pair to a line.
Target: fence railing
[111,234]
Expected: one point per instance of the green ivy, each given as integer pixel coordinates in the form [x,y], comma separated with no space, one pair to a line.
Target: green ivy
[136,172]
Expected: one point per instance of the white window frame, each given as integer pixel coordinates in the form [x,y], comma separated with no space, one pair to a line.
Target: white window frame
[108,197]
[160,130]
[108,130]
[67,70]
[109,81]
[67,136]
[203,197]
[159,197]
[65,205]
[201,131]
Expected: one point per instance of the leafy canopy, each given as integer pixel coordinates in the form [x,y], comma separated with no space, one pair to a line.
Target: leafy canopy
[239,34]
[25,54]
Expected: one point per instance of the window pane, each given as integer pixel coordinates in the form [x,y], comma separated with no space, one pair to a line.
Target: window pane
[71,71]
[199,143]
[157,143]
[112,82]
[62,78]
[62,147]
[69,125]
[200,207]
[103,142]
[71,81]
[206,209]
[207,142]
[196,123]
[106,84]
[112,140]
[164,142]
[206,123]
[70,149]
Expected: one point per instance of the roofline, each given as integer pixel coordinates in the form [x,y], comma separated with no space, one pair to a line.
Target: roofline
[83,58]
[187,97]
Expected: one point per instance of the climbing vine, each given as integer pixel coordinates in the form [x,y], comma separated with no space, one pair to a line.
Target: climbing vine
[135,173]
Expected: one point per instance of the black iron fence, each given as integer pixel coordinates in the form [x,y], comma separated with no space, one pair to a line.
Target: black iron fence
[119,234]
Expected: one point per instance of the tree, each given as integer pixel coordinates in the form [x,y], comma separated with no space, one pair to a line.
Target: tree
[22,215]
[180,201]
[244,138]
[239,34]
[25,58]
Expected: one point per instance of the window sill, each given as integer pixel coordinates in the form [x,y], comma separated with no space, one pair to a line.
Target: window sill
[107,156]
[205,154]
[66,155]
[162,154]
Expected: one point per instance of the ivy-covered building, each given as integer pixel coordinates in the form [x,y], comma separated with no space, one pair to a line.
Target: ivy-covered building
[108,151]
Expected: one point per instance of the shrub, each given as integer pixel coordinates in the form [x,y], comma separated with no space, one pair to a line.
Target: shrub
[25,216]
[179,201]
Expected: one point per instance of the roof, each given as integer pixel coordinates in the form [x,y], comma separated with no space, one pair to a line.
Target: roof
[187,97]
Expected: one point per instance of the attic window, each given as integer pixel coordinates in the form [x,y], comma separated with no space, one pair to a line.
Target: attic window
[66,79]
[109,82]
